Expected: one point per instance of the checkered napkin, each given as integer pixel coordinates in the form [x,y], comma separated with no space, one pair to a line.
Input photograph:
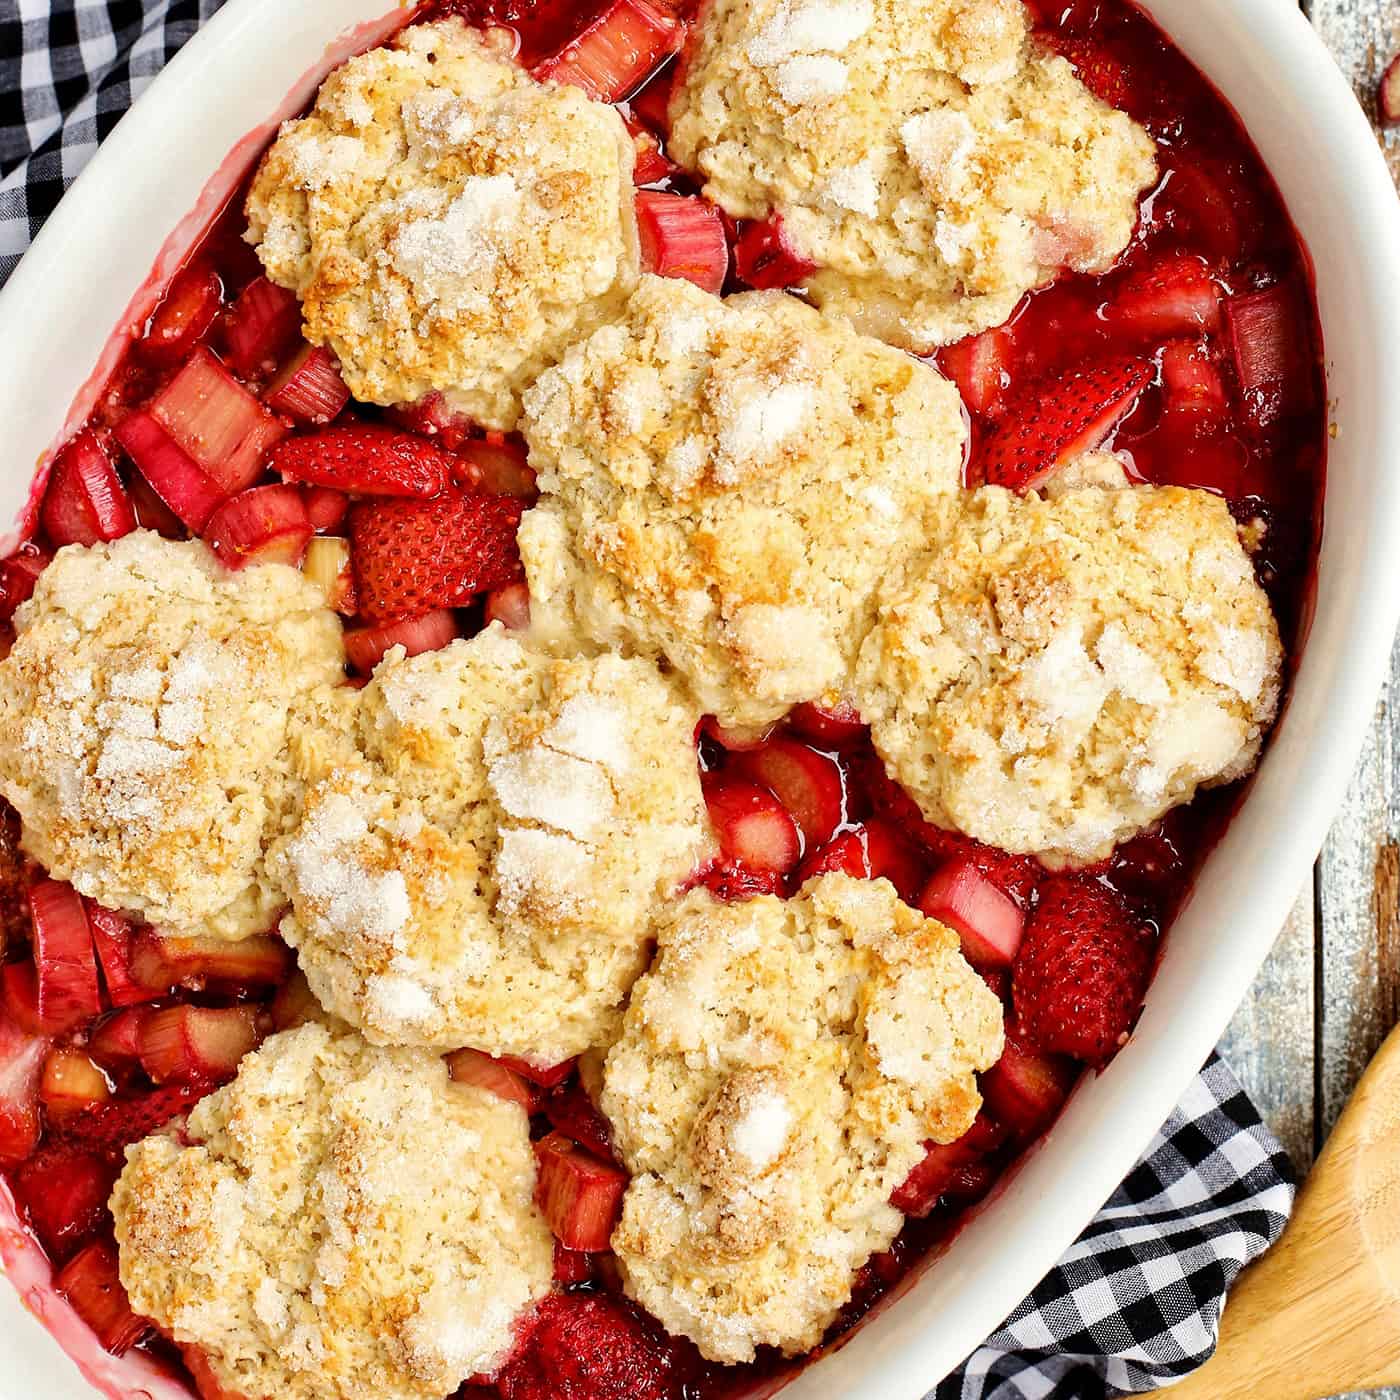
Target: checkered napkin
[1135,1302]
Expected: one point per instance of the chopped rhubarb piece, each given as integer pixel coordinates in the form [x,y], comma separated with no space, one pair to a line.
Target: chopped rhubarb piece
[85,500]
[809,784]
[546,1076]
[652,105]
[365,459]
[65,1195]
[432,416]
[63,956]
[206,1383]
[498,467]
[571,1267]
[326,508]
[71,1082]
[414,556]
[261,327]
[617,52]
[1063,417]
[308,387]
[22,1059]
[1176,296]
[473,1067]
[18,575]
[981,368]
[108,1128]
[579,1195]
[116,1039]
[185,312]
[753,826]
[1194,390]
[365,647]
[160,963]
[734,739]
[111,938]
[186,489]
[91,1284]
[151,512]
[682,236]
[219,423]
[295,1004]
[832,723]
[873,850]
[1388,94]
[1267,342]
[944,1170]
[263,525]
[19,989]
[765,257]
[570,1111]
[510,606]
[327,564]
[1025,1090]
[989,922]
[649,163]
[196,1043]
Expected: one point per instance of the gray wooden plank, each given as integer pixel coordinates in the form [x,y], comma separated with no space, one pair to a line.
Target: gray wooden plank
[1363,35]
[1270,1044]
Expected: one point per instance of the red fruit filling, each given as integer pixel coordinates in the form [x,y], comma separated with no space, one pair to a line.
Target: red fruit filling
[473,1067]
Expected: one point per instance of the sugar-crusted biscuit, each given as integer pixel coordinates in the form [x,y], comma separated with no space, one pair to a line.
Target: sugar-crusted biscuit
[779,1069]
[143,715]
[339,1221]
[485,834]
[1052,676]
[933,161]
[724,483]
[448,222]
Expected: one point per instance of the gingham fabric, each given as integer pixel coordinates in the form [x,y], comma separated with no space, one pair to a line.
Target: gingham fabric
[1135,1303]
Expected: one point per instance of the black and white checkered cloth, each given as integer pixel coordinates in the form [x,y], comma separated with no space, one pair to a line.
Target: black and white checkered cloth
[1136,1302]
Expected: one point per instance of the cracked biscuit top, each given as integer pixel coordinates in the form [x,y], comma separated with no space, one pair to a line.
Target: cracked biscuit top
[143,717]
[485,835]
[723,486]
[930,158]
[779,1070]
[339,1223]
[1052,676]
[448,222]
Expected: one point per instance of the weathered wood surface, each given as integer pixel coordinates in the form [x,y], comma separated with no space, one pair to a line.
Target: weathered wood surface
[1331,989]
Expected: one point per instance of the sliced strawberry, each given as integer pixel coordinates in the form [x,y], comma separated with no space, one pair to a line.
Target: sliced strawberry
[263,525]
[1062,418]
[196,1044]
[432,416]
[831,724]
[981,368]
[682,236]
[949,1169]
[413,556]
[874,850]
[160,963]
[1194,391]
[186,490]
[764,256]
[111,938]
[986,918]
[649,163]
[185,312]
[116,1039]
[1098,69]
[572,1112]
[18,575]
[113,1126]
[510,606]
[1081,971]
[1024,1090]
[65,1195]
[365,459]
[22,1059]
[500,467]
[85,500]
[1175,296]
[753,827]
[474,1067]
[366,647]
[63,956]
[546,1076]
[261,328]
[308,387]
[326,508]
[91,1283]
[71,1082]
[810,785]
[579,1195]
[733,882]
[617,52]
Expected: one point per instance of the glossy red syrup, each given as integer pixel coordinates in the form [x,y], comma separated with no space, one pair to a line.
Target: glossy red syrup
[1259,441]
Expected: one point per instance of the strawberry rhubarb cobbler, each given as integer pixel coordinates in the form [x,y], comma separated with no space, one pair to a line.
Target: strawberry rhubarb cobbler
[618,693]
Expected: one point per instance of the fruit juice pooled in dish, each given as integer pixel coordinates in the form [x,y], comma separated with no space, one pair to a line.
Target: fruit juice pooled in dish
[618,694]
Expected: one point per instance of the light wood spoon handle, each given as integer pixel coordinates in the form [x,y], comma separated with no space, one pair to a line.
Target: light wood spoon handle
[1319,1314]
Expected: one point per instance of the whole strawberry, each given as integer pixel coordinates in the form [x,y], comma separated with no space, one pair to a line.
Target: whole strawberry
[411,557]
[1081,971]
[365,459]
[590,1347]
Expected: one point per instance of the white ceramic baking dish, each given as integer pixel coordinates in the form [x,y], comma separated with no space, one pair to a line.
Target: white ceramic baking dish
[259,60]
